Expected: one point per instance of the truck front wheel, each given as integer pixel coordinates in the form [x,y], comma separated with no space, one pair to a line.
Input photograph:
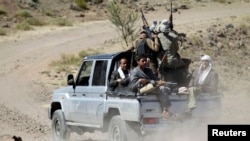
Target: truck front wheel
[60,131]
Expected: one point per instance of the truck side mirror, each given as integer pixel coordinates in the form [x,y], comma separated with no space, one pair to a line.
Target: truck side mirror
[71,81]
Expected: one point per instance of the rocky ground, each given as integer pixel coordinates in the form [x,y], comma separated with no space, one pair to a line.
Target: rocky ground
[219,29]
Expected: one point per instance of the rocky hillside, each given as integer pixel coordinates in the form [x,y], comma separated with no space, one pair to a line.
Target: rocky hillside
[227,42]
[29,14]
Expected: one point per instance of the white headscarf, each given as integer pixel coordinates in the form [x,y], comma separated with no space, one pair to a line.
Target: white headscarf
[206,57]
[203,74]
[121,73]
[163,26]
[153,26]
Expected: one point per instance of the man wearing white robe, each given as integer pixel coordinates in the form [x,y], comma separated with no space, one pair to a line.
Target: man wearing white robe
[204,80]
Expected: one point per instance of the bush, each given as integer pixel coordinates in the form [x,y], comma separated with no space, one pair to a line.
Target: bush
[24,26]
[2,12]
[124,20]
[81,3]
[48,12]
[65,63]
[220,1]
[62,22]
[35,1]
[23,14]
[85,53]
[35,22]
[2,32]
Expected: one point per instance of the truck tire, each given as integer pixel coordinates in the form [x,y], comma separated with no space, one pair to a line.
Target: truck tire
[60,131]
[120,130]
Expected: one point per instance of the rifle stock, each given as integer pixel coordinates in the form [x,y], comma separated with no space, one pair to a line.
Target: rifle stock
[132,61]
[163,60]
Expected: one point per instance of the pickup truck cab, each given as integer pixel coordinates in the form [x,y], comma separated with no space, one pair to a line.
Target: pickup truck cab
[87,104]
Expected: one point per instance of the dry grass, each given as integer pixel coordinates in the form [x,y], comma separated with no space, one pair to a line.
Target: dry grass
[68,63]
[3,32]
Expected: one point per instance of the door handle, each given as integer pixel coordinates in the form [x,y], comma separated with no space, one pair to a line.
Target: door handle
[101,95]
[83,94]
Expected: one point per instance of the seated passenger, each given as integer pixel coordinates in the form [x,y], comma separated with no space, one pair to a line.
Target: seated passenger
[120,77]
[142,75]
[204,80]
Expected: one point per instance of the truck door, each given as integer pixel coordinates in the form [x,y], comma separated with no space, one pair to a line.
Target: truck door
[96,96]
[78,103]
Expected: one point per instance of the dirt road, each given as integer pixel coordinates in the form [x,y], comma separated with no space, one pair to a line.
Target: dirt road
[25,55]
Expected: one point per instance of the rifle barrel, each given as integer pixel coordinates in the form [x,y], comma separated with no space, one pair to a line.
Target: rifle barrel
[146,25]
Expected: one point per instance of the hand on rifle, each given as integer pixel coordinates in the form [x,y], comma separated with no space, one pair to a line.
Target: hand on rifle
[154,35]
[161,83]
[143,81]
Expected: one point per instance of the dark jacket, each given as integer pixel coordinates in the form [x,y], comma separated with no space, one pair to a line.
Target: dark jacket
[210,84]
[137,74]
[115,75]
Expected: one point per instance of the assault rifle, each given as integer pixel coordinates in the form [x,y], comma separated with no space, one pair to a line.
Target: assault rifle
[171,25]
[145,24]
[171,16]
[164,59]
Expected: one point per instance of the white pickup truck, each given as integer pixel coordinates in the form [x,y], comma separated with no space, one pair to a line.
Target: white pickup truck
[87,104]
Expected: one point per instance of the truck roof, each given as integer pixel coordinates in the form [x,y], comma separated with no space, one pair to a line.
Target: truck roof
[104,56]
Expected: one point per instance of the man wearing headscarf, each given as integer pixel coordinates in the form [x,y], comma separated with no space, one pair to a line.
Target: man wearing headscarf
[204,80]
[168,39]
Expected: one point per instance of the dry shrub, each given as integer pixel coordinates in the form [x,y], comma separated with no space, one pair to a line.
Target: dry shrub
[2,32]
[35,22]
[81,3]
[24,26]
[23,14]
[2,12]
